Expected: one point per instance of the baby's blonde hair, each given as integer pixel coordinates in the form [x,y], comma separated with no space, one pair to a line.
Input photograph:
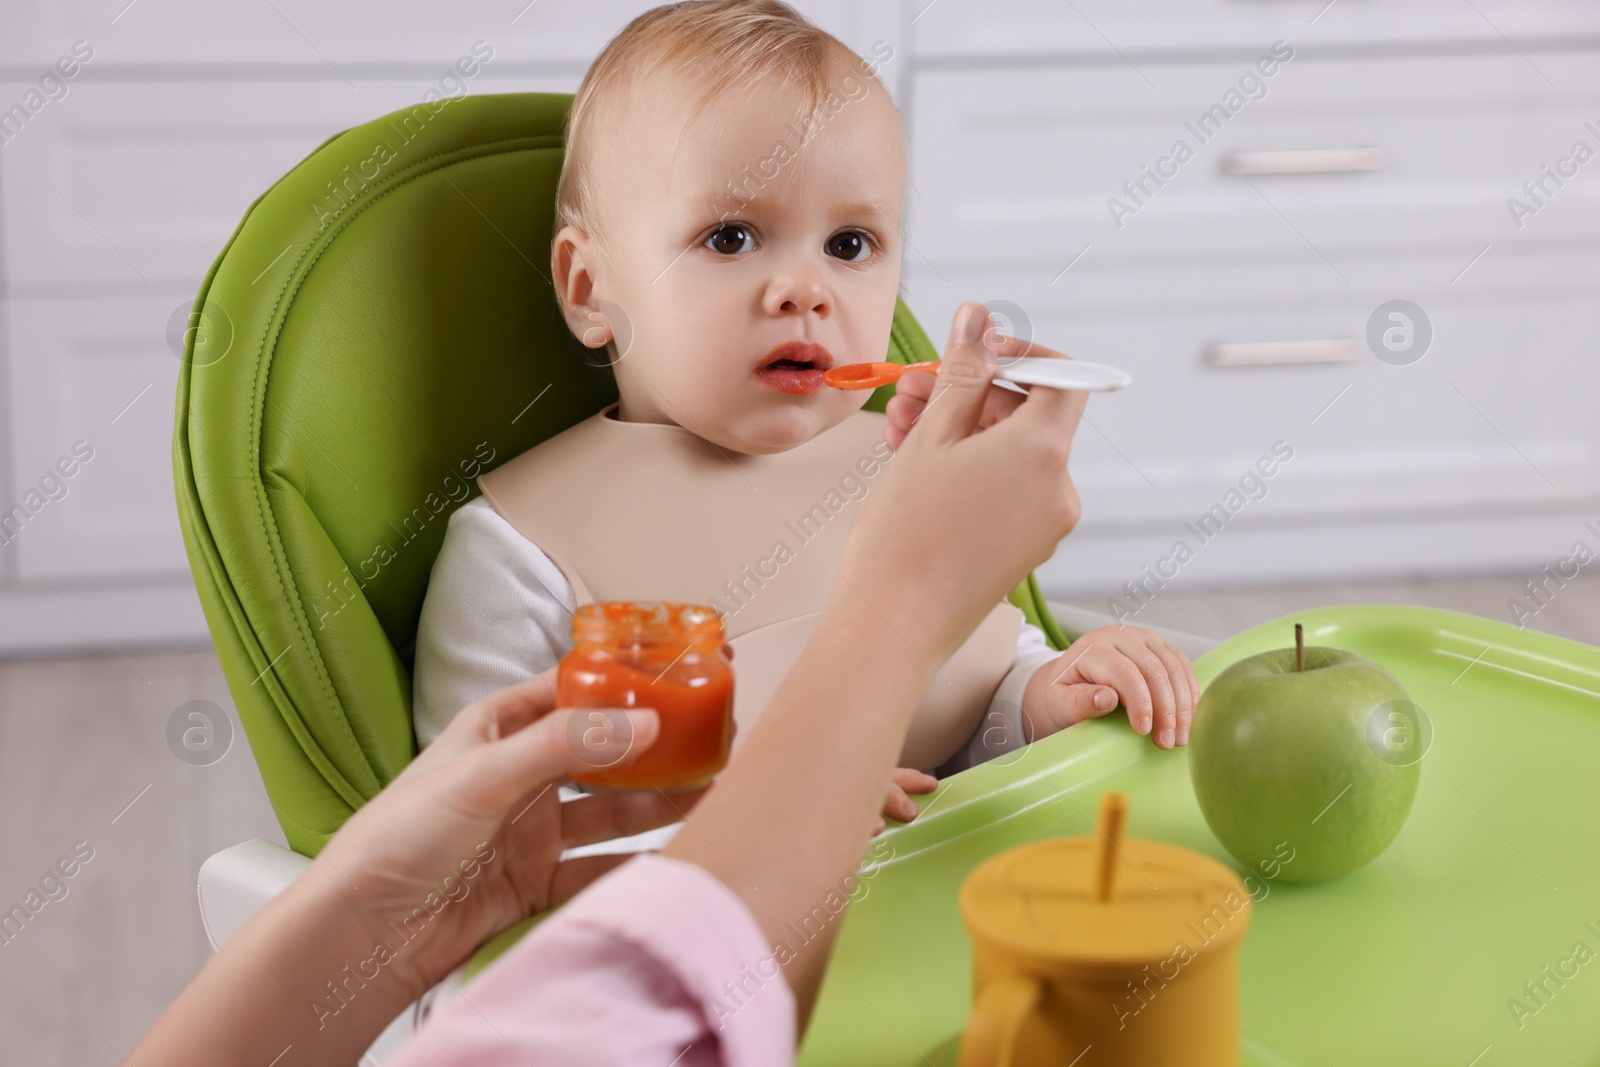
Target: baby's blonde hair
[720,43]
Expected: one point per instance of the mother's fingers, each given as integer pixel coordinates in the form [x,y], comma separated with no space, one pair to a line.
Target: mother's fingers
[962,382]
[1061,409]
[558,745]
[517,706]
[902,414]
[496,716]
[1005,348]
[612,815]
[904,409]
[999,404]
[918,385]
[1047,412]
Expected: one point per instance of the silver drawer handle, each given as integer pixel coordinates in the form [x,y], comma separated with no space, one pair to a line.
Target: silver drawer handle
[1305,161]
[1256,354]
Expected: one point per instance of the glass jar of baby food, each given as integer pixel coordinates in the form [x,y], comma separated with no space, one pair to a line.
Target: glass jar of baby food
[648,655]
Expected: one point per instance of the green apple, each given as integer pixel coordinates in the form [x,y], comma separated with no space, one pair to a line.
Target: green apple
[1303,762]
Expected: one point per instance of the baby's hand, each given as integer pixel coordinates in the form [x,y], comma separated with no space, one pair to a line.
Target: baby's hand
[898,805]
[1153,680]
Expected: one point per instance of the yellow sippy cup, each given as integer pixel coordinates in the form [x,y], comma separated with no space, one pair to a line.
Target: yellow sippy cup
[1104,950]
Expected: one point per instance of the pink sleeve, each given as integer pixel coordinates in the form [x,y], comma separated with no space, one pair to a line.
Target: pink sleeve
[656,963]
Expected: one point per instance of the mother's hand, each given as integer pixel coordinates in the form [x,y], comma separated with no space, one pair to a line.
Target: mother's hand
[913,391]
[471,832]
[929,547]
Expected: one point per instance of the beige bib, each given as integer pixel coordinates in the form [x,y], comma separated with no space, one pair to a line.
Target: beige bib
[648,511]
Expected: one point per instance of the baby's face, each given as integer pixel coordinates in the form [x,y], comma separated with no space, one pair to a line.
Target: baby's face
[739,240]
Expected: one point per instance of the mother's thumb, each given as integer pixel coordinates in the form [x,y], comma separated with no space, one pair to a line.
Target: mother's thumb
[964,375]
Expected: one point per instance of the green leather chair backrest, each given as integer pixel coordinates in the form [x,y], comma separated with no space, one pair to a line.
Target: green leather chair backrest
[380,329]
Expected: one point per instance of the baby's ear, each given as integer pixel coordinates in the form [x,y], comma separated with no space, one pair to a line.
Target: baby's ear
[603,330]
[570,273]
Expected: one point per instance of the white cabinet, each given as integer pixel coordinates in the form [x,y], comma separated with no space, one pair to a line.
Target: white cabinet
[1419,150]
[314,40]
[1495,416]
[1222,197]
[145,184]
[1124,33]
[99,384]
[309,38]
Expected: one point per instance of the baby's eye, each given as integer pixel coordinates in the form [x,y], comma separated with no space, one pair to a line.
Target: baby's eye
[849,245]
[728,239]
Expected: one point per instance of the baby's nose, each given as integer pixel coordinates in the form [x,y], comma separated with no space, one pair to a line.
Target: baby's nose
[800,289]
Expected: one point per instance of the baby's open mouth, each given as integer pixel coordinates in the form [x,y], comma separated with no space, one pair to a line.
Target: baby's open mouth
[795,367]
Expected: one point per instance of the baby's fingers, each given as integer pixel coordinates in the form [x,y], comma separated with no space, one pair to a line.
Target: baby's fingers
[914,781]
[1178,675]
[1120,672]
[1080,701]
[1164,700]
[898,805]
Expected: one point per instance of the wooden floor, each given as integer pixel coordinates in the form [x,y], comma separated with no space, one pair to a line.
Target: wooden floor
[84,757]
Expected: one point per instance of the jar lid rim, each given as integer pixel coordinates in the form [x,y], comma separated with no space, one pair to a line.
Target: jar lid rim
[653,618]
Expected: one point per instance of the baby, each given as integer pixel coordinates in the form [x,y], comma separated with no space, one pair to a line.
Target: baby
[728,227]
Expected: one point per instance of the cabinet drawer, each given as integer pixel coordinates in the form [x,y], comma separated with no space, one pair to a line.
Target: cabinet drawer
[95,374]
[1027,164]
[1499,412]
[144,182]
[351,37]
[307,33]
[1001,29]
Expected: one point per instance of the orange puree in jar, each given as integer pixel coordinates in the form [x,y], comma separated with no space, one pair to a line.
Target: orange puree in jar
[649,655]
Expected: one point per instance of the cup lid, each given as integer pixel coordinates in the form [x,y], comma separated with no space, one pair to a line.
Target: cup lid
[1038,901]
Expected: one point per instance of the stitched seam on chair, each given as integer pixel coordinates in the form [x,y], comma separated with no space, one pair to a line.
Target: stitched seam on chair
[198,530]
[896,333]
[285,576]
[394,181]
[210,558]
[286,581]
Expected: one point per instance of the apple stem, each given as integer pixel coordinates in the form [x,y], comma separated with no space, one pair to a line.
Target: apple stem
[1299,648]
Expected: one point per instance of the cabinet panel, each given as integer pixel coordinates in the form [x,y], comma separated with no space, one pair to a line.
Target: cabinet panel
[1108,30]
[312,34]
[91,440]
[1497,414]
[142,183]
[1036,164]
[321,40]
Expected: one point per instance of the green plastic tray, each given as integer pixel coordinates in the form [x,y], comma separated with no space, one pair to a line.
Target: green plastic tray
[1413,959]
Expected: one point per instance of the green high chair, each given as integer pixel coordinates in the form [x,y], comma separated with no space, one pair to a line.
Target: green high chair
[380,329]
